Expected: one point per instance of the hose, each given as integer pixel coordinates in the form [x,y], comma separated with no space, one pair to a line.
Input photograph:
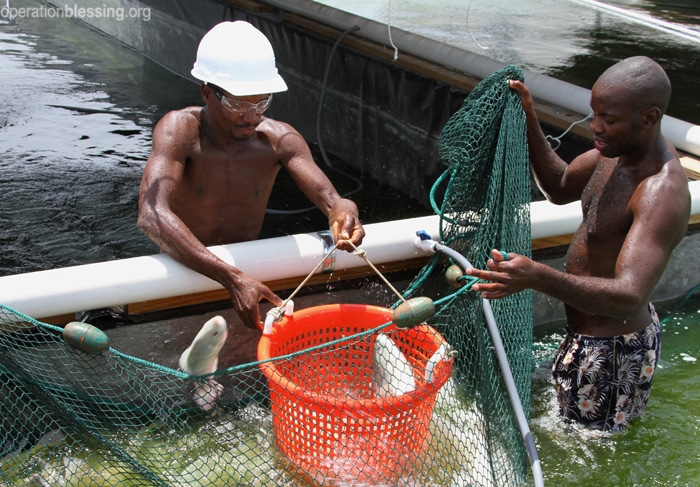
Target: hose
[429,244]
[505,369]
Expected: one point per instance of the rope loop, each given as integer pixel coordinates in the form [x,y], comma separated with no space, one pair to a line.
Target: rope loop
[556,141]
[275,314]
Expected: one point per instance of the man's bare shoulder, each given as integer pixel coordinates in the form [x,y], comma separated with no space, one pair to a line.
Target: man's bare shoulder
[184,118]
[670,178]
[177,130]
[278,132]
[588,159]
[284,140]
[666,193]
[175,138]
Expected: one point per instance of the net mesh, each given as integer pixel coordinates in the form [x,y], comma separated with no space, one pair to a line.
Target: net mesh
[313,412]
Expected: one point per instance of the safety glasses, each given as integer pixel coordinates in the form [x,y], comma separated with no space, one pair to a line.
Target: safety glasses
[240,107]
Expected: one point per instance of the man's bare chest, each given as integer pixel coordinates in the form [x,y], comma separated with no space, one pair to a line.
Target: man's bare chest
[222,179]
[606,205]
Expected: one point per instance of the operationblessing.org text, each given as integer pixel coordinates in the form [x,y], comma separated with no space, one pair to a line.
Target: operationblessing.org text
[74,11]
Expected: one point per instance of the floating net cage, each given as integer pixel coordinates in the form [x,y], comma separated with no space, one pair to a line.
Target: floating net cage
[308,412]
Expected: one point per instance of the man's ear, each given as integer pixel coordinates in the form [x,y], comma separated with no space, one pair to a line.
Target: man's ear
[651,116]
[206,92]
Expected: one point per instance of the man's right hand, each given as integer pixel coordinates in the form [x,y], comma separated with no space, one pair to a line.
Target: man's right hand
[246,294]
[525,96]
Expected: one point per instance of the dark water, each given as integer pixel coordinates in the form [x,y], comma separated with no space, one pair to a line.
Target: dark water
[76,115]
[566,39]
[614,40]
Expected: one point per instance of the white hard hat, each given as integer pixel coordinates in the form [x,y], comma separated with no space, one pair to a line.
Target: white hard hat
[238,57]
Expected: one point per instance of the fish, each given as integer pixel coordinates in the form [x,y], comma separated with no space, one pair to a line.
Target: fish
[202,358]
[392,373]
[441,354]
[459,437]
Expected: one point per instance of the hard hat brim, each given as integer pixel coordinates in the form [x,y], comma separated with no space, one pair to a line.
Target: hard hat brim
[244,88]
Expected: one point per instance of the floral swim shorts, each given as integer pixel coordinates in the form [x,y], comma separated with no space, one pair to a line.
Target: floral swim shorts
[604,382]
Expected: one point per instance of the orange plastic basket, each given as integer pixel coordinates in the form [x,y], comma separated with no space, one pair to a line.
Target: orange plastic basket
[326,417]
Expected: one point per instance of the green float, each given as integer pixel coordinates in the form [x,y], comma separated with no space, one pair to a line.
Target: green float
[453,275]
[85,337]
[413,312]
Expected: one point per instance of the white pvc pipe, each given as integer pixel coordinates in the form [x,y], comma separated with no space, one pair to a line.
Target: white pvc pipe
[694,197]
[550,220]
[93,286]
[683,135]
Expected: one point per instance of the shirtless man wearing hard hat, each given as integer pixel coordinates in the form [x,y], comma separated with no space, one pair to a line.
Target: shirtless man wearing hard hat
[211,169]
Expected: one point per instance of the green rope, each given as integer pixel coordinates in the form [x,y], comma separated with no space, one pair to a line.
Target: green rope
[305,351]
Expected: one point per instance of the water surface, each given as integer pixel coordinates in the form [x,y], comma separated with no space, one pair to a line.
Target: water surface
[76,115]
[567,39]
[662,448]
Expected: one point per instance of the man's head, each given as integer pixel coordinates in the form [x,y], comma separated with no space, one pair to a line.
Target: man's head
[238,58]
[644,81]
[628,101]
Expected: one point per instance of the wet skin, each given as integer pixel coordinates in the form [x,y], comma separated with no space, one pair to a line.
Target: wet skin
[208,180]
[635,203]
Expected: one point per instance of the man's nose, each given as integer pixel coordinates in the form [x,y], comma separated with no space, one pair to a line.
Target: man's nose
[251,116]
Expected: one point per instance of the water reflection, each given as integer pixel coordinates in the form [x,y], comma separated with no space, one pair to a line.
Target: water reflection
[76,115]
[71,154]
[567,39]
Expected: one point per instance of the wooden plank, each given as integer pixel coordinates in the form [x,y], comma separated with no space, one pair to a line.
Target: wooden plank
[691,166]
[558,241]
[58,320]
[251,6]
[563,119]
[413,63]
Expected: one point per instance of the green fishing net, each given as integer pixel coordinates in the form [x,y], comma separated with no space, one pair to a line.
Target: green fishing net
[483,201]
[311,412]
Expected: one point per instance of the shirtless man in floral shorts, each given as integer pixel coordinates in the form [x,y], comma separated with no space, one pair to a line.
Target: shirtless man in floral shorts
[636,204]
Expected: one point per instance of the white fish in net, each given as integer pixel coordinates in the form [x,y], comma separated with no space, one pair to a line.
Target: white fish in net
[459,437]
[392,374]
[202,358]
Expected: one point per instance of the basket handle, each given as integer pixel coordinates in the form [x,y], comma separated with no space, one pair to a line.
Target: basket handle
[275,314]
